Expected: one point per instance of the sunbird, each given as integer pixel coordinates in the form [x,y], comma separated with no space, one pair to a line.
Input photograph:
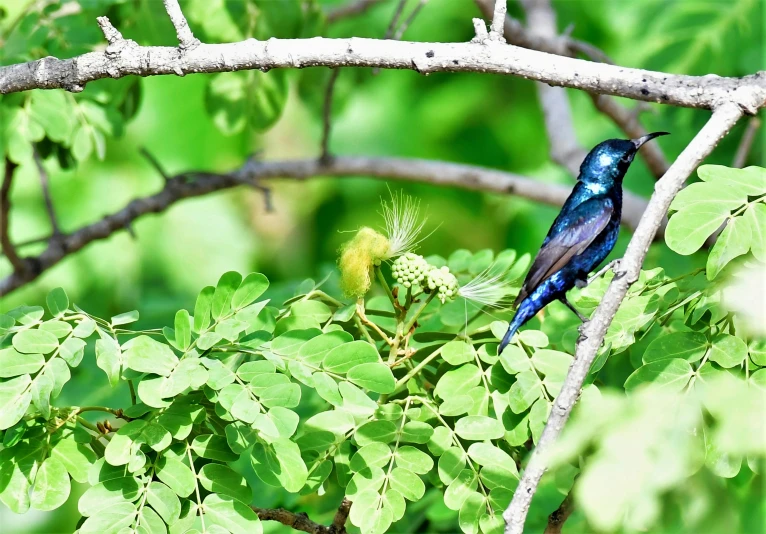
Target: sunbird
[583,234]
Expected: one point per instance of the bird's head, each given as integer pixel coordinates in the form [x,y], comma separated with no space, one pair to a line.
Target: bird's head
[609,161]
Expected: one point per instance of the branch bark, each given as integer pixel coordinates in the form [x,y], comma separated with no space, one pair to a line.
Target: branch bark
[740,158]
[73,74]
[186,39]
[195,184]
[722,120]
[301,521]
[9,250]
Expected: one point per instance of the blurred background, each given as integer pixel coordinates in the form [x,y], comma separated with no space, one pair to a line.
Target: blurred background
[214,122]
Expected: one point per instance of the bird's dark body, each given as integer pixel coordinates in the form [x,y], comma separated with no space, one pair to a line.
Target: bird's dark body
[583,234]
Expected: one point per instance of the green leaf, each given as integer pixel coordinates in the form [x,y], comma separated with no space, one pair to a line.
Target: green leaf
[472,508]
[458,381]
[317,310]
[457,405]
[280,464]
[552,363]
[514,359]
[525,391]
[458,352]
[290,342]
[224,293]
[728,351]
[51,110]
[416,432]
[52,486]
[149,522]
[213,447]
[60,329]
[689,346]
[230,514]
[672,374]
[176,475]
[145,355]
[164,501]
[375,431]
[252,287]
[342,358]
[284,395]
[327,388]
[103,496]
[27,315]
[487,454]
[407,483]
[376,377]
[182,326]
[460,488]
[202,309]
[109,358]
[236,100]
[125,318]
[750,181]
[371,455]
[111,520]
[315,349]
[733,241]
[13,363]
[219,478]
[32,341]
[687,230]
[84,328]
[58,302]
[77,458]
[478,427]
[414,460]
[15,397]
[533,338]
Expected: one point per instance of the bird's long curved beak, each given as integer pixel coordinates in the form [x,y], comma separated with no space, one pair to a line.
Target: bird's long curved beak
[648,137]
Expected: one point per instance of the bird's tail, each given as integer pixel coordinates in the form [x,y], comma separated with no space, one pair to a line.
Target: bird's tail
[523,314]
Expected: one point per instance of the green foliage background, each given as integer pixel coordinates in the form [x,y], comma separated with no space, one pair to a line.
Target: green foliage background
[215,122]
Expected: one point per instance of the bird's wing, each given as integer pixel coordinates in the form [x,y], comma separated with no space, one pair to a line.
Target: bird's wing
[579,228]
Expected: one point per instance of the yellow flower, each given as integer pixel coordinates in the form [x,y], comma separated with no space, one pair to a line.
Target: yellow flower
[358,257]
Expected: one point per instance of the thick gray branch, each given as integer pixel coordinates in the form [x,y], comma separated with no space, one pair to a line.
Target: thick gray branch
[197,184]
[594,331]
[706,92]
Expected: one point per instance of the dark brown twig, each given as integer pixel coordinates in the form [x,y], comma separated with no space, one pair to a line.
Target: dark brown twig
[154,163]
[740,158]
[559,516]
[300,521]
[327,116]
[19,267]
[45,184]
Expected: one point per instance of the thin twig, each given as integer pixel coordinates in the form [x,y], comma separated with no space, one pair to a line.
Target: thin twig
[19,266]
[154,162]
[395,19]
[408,21]
[351,9]
[722,120]
[497,28]
[327,116]
[45,184]
[296,521]
[341,516]
[740,158]
[186,39]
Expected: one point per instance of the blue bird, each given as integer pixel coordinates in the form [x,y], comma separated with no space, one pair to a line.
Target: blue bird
[583,234]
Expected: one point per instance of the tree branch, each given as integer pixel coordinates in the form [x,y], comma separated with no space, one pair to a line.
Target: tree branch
[549,41]
[559,516]
[740,158]
[45,184]
[497,28]
[562,139]
[186,39]
[301,521]
[19,267]
[704,92]
[189,185]
[722,120]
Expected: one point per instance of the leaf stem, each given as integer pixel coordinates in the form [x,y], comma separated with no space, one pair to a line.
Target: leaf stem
[418,311]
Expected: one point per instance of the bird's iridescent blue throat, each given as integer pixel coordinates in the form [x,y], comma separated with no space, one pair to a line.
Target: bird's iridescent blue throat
[583,234]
